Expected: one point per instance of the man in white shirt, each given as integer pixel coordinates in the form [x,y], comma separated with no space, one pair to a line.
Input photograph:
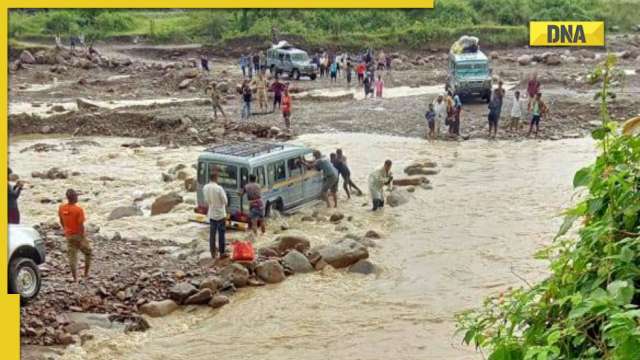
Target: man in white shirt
[216,199]
[516,113]
[440,108]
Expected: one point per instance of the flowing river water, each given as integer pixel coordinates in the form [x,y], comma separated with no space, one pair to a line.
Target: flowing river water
[492,205]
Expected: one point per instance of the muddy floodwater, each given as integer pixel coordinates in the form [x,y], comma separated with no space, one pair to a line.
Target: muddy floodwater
[492,205]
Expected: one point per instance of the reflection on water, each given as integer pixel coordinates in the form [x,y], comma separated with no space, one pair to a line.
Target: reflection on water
[493,204]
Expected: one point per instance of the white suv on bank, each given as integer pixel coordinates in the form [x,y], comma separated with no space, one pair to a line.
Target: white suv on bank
[25,252]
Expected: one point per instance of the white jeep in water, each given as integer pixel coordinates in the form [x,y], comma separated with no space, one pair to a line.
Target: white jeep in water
[25,252]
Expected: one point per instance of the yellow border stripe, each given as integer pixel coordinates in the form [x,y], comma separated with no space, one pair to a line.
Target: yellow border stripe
[258,4]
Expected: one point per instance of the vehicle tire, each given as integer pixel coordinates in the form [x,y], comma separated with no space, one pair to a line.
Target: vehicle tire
[24,278]
[295,74]
[487,97]
[313,76]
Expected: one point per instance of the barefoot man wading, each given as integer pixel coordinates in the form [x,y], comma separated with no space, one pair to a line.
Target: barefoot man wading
[330,176]
[72,221]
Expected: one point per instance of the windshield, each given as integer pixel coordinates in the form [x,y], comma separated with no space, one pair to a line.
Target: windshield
[472,69]
[300,57]
[227,174]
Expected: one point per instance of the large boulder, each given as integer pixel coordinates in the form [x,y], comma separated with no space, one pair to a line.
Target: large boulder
[410,181]
[553,60]
[27,58]
[236,274]
[270,271]
[124,211]
[343,253]
[165,203]
[397,198]
[297,262]
[159,308]
[181,291]
[284,243]
[524,60]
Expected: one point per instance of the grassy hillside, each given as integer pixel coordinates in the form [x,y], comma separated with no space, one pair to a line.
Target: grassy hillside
[498,22]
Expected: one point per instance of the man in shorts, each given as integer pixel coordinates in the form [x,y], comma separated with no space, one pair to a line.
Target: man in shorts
[278,88]
[256,206]
[72,220]
[330,176]
[430,115]
[538,109]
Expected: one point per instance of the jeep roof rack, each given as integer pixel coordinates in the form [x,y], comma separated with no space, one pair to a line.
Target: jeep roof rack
[245,149]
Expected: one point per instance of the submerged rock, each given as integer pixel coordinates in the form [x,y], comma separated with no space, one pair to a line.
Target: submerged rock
[364,267]
[124,211]
[284,243]
[165,203]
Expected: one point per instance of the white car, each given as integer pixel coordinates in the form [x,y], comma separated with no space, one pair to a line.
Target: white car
[26,251]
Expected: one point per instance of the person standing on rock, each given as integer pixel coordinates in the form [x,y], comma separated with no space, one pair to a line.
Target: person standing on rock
[377,181]
[204,62]
[457,111]
[72,221]
[216,199]
[494,113]
[330,177]
[286,108]
[430,115]
[261,91]
[247,95]
[379,86]
[256,206]
[440,109]
[14,194]
[538,109]
[516,113]
[533,87]
[216,100]
[243,65]
[278,88]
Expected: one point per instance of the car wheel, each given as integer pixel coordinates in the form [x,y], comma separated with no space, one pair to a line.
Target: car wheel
[295,74]
[313,76]
[24,278]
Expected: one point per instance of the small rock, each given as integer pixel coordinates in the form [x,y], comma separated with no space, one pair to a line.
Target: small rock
[201,297]
[190,184]
[181,291]
[372,234]
[213,283]
[335,217]
[235,273]
[284,243]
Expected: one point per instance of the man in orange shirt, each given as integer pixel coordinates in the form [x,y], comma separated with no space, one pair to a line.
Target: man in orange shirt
[72,221]
[286,108]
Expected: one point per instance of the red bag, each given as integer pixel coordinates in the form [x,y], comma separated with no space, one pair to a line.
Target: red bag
[243,251]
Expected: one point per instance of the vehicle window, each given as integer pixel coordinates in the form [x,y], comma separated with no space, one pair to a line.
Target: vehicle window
[294,166]
[227,175]
[271,174]
[300,57]
[287,57]
[202,173]
[244,177]
[281,56]
[260,177]
[278,172]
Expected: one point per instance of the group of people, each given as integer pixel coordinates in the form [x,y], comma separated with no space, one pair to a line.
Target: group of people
[446,109]
[281,97]
[536,108]
[253,63]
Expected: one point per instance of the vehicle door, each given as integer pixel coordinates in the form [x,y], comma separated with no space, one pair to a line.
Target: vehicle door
[287,66]
[277,178]
[295,180]
[312,184]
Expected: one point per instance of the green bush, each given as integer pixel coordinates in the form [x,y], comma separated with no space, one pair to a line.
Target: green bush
[113,22]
